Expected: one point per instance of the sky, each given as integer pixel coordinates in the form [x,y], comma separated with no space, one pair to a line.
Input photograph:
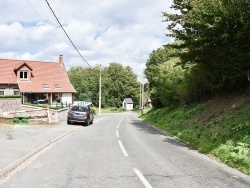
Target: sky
[124,31]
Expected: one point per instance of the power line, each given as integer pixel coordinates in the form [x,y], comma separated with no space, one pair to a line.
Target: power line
[67,34]
[45,24]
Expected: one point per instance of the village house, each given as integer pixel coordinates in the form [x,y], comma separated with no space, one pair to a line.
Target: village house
[128,104]
[36,81]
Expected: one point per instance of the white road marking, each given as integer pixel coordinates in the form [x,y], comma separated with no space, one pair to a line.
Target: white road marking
[117,134]
[120,121]
[122,148]
[142,178]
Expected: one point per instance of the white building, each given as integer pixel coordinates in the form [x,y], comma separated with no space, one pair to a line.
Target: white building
[128,104]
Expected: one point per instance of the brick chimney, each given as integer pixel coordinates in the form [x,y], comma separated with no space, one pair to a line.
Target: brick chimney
[61,60]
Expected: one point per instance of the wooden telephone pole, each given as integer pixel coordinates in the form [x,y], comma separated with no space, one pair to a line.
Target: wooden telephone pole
[142,93]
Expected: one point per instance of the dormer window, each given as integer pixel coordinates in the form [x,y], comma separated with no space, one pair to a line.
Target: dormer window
[24,75]
[45,86]
[57,86]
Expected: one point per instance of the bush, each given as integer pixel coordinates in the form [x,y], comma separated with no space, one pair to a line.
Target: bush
[10,96]
[93,109]
[113,109]
[121,109]
[16,120]
[24,120]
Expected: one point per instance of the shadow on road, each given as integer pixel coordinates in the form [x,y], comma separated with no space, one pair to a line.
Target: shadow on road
[142,126]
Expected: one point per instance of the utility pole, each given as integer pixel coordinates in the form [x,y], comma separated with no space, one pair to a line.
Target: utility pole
[140,97]
[142,93]
[100,90]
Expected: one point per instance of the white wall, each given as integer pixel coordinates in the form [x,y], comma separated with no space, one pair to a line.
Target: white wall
[66,97]
[129,106]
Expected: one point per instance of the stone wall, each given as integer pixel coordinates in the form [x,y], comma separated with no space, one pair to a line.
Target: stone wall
[10,107]
[10,104]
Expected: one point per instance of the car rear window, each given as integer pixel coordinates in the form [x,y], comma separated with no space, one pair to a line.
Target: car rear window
[79,109]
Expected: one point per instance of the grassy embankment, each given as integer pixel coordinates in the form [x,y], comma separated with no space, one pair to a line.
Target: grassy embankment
[219,127]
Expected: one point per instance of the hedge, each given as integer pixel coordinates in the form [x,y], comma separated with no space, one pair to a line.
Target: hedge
[10,96]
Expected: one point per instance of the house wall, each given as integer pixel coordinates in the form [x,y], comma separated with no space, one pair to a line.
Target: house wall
[129,106]
[9,88]
[66,98]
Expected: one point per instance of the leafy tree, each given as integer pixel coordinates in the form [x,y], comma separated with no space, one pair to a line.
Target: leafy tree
[154,72]
[118,82]
[216,38]
[123,84]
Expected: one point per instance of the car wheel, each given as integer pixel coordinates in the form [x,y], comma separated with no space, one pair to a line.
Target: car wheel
[92,121]
[68,122]
[87,123]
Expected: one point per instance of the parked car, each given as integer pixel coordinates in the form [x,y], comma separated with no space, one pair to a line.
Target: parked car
[39,101]
[80,114]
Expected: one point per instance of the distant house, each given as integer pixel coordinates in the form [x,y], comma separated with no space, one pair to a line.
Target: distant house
[128,104]
[36,80]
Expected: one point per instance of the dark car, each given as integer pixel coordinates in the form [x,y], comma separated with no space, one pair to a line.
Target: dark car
[80,114]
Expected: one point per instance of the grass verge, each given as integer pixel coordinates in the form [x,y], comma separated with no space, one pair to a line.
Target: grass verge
[224,134]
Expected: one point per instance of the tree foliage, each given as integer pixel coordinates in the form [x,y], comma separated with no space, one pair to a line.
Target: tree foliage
[118,82]
[212,48]
[165,76]
[215,36]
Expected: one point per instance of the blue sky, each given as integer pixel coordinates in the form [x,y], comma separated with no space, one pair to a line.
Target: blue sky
[124,31]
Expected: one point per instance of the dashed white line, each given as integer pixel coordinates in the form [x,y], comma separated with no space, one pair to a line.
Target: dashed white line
[122,148]
[142,178]
[119,123]
[117,134]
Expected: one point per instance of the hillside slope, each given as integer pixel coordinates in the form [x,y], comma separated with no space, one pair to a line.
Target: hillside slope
[219,127]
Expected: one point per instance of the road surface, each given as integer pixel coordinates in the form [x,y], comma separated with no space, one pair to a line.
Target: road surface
[120,151]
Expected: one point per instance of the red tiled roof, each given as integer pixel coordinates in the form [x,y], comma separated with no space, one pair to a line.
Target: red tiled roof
[50,73]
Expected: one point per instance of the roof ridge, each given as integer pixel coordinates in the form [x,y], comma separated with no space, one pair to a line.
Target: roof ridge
[28,60]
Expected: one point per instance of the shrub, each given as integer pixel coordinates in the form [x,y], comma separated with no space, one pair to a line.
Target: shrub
[24,120]
[16,120]
[93,109]
[121,109]
[10,96]
[113,109]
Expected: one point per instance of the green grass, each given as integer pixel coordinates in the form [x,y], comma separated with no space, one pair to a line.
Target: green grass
[111,110]
[226,136]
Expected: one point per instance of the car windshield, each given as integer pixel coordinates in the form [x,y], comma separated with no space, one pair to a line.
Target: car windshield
[79,109]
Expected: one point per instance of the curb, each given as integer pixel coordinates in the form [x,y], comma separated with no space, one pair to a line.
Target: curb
[4,172]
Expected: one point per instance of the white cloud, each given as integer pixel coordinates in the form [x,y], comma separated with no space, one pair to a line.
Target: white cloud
[124,31]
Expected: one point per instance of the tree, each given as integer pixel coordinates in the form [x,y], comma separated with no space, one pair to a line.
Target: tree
[118,82]
[123,84]
[154,72]
[216,38]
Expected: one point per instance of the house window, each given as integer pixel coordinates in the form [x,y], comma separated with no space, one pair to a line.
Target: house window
[57,86]
[1,92]
[24,75]
[45,86]
[16,92]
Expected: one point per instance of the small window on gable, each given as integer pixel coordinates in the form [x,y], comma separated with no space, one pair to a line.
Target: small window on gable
[24,75]
[57,86]
[45,86]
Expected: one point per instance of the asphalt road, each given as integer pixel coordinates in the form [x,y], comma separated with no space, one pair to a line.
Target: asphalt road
[120,151]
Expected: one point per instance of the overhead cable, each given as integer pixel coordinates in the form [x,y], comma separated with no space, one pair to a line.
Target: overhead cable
[45,24]
[66,33]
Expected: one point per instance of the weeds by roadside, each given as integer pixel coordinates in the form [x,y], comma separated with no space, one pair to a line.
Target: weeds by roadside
[225,135]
